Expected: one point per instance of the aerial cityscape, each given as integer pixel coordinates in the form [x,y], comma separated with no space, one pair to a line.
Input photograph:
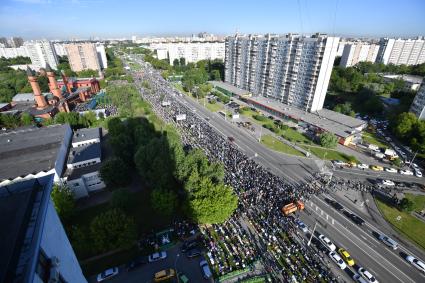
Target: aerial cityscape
[231,141]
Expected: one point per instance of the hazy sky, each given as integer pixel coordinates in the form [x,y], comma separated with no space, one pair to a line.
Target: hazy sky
[118,18]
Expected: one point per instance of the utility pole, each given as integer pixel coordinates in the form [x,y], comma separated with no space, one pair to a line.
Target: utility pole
[312,233]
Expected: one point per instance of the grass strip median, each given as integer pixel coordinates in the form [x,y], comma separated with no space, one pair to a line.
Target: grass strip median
[275,144]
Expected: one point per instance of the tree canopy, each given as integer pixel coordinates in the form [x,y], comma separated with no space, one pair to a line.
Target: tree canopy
[115,173]
[328,140]
[63,200]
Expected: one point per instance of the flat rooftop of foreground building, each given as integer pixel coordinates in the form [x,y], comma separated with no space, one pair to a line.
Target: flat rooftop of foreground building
[83,153]
[330,121]
[229,87]
[30,150]
[21,219]
[86,134]
[407,78]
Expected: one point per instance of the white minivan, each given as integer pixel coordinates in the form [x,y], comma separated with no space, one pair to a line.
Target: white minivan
[388,241]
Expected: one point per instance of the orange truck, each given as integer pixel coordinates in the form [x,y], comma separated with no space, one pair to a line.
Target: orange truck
[292,207]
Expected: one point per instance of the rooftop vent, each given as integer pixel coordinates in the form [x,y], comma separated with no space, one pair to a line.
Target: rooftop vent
[9,140]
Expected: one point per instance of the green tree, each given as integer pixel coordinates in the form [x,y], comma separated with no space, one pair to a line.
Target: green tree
[9,121]
[176,62]
[182,61]
[345,109]
[404,125]
[328,140]
[115,173]
[215,75]
[112,230]
[121,199]
[164,201]
[88,73]
[63,200]
[210,203]
[26,119]
[406,205]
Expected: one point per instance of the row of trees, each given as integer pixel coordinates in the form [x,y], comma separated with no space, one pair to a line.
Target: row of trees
[11,121]
[409,129]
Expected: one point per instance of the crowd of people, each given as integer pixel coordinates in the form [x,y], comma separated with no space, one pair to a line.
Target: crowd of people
[257,230]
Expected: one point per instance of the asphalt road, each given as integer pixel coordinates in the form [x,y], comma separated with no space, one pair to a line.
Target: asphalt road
[362,243]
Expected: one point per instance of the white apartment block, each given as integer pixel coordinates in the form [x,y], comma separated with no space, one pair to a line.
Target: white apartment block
[42,52]
[192,51]
[60,49]
[101,55]
[356,52]
[293,69]
[83,56]
[340,49]
[13,52]
[418,104]
[402,51]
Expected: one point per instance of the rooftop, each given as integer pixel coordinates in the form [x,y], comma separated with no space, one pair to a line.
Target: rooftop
[83,153]
[407,78]
[26,151]
[334,122]
[229,87]
[21,208]
[86,134]
[76,173]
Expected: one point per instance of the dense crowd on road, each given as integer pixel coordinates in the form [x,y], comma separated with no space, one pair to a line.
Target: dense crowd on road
[257,230]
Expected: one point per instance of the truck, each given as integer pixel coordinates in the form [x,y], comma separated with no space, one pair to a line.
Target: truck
[292,207]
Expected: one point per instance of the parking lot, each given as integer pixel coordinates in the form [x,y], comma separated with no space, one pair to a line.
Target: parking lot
[175,260]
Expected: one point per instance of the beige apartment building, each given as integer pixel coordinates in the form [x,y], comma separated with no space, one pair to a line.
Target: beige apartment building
[82,56]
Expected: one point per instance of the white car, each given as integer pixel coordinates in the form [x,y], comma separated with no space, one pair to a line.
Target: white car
[390,170]
[157,256]
[367,275]
[416,263]
[329,245]
[362,166]
[358,278]
[337,259]
[418,173]
[339,163]
[415,166]
[406,172]
[388,183]
[108,273]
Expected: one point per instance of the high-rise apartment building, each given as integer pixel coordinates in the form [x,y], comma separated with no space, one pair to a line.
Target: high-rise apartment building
[60,49]
[42,53]
[358,52]
[16,42]
[402,51]
[101,55]
[82,56]
[418,104]
[293,69]
[4,42]
[14,52]
[191,51]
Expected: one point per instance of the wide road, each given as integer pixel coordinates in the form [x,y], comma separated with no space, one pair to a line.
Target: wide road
[362,243]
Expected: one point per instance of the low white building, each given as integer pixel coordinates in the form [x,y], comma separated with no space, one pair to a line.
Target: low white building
[410,82]
[84,162]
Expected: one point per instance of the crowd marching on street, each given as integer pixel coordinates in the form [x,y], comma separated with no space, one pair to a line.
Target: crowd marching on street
[257,230]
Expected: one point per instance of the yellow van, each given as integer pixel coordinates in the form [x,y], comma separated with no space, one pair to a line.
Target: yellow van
[164,275]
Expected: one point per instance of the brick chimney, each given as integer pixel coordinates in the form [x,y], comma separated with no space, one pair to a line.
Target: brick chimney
[53,85]
[39,98]
[65,81]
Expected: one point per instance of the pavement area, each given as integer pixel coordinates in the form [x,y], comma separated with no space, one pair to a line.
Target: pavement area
[175,259]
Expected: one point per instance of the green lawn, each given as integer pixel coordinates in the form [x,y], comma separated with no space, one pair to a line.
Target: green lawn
[328,154]
[294,136]
[372,138]
[213,107]
[275,144]
[409,225]
[418,201]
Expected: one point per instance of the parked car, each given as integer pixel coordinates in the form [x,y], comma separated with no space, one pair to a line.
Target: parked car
[406,172]
[302,226]
[206,272]
[337,259]
[362,166]
[107,274]
[339,163]
[416,263]
[376,168]
[329,245]
[164,275]
[388,183]
[193,252]
[418,173]
[358,278]
[157,256]
[390,170]
[346,256]
[188,245]
[367,275]
[138,261]
[356,219]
